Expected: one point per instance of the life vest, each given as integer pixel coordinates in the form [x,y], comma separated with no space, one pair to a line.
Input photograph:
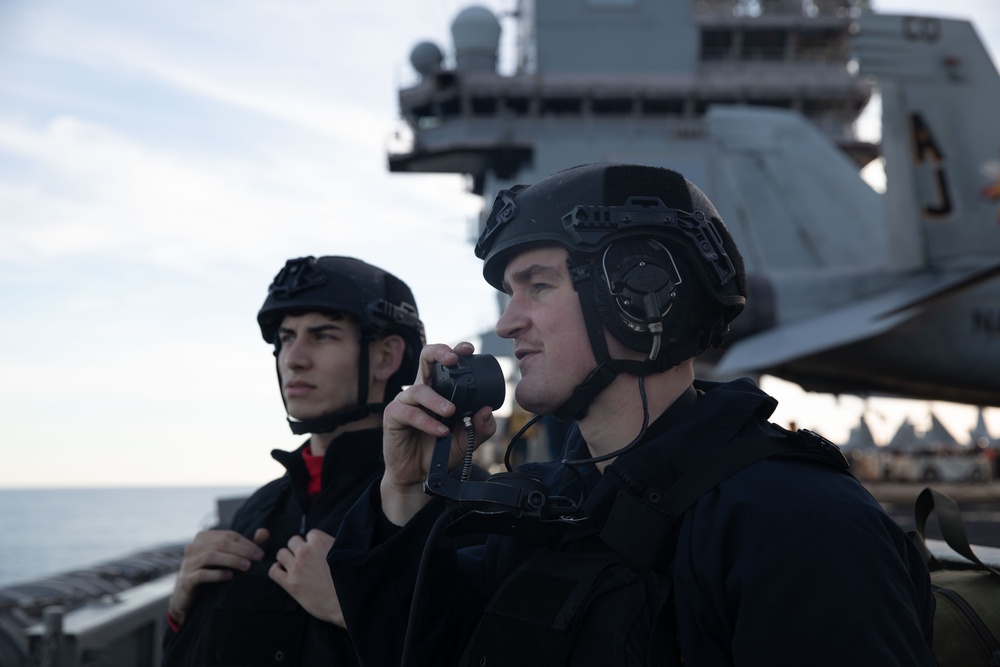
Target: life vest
[604,594]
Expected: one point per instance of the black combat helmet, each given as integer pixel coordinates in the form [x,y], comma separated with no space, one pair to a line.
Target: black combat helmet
[381,303]
[649,255]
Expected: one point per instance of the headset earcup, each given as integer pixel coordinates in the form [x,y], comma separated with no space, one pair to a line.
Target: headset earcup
[632,275]
[645,290]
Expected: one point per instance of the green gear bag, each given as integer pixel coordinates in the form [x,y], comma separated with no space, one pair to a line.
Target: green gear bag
[967,618]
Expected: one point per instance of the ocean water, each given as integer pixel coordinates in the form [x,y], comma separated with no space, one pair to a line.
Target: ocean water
[48,531]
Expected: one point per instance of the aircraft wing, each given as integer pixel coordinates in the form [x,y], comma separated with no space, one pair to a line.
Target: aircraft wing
[849,324]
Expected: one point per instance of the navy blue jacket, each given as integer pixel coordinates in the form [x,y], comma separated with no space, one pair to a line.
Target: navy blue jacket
[787,562]
[250,620]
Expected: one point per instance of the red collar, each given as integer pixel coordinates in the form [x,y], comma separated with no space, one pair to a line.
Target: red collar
[314,466]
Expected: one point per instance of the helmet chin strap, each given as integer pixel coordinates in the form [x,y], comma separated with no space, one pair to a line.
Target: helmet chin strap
[576,406]
[331,421]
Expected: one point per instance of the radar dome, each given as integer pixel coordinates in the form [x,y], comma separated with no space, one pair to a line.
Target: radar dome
[476,33]
[426,58]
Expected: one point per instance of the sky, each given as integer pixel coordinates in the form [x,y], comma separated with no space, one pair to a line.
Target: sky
[159,162]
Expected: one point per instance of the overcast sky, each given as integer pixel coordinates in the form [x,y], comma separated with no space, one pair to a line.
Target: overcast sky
[159,161]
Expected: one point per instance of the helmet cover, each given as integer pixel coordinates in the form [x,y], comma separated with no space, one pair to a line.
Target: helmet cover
[381,303]
[621,219]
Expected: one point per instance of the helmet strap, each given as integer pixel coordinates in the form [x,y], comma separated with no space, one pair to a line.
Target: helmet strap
[333,420]
[576,406]
[605,373]
[364,342]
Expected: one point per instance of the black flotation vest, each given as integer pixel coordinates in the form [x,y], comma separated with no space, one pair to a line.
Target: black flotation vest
[603,594]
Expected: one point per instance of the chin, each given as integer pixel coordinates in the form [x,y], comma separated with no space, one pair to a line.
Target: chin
[302,414]
[535,403]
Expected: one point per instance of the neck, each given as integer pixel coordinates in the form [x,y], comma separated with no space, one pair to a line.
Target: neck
[319,442]
[615,417]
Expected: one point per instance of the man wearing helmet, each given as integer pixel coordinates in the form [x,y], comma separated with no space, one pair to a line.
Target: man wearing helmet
[346,338]
[658,537]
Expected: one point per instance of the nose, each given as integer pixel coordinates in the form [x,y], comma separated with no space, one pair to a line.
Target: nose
[294,355]
[513,320]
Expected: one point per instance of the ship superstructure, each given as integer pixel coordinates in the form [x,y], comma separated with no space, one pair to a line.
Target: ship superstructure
[616,79]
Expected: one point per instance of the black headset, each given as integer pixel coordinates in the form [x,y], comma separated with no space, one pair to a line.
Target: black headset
[636,291]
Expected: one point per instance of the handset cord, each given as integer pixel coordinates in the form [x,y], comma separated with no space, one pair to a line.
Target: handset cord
[575,463]
[513,441]
[470,447]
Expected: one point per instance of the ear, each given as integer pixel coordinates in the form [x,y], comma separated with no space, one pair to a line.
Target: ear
[386,356]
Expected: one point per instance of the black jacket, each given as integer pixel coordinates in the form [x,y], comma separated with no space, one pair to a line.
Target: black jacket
[787,562]
[250,620]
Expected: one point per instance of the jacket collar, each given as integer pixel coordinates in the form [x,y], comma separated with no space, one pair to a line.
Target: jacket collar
[353,452]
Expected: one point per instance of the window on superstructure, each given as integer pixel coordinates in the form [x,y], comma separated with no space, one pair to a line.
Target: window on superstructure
[716,44]
[701,106]
[484,106]
[615,106]
[771,102]
[449,107]
[662,107]
[561,106]
[517,106]
[763,45]
[821,45]
[422,111]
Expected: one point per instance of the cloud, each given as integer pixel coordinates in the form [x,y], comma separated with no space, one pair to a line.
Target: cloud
[305,69]
[90,189]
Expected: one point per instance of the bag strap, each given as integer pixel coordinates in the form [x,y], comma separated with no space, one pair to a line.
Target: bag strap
[636,526]
[711,471]
[952,527]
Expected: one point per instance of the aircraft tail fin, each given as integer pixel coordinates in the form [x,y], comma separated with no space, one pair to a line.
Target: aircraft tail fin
[940,138]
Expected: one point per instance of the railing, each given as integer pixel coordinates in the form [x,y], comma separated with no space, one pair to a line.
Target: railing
[123,631]
[108,615]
